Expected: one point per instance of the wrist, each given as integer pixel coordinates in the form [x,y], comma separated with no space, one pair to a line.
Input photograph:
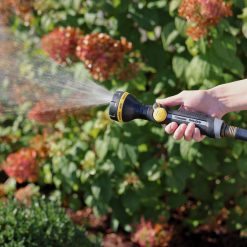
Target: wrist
[230,96]
[222,100]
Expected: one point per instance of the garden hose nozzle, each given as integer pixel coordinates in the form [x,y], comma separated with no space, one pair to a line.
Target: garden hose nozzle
[124,107]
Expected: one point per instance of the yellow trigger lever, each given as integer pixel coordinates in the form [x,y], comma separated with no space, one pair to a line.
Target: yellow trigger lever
[159,113]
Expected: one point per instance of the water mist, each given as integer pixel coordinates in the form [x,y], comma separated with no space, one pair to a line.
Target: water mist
[47,88]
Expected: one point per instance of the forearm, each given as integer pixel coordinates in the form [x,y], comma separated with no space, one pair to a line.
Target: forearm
[233,96]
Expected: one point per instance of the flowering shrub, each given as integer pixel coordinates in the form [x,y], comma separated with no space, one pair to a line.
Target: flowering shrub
[26,194]
[51,111]
[102,55]
[203,14]
[5,9]
[148,234]
[145,234]
[86,217]
[113,239]
[41,144]
[22,8]
[22,165]
[127,73]
[2,190]
[61,43]
[43,112]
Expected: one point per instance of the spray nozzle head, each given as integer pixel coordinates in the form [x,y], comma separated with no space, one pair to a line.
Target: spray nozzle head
[124,107]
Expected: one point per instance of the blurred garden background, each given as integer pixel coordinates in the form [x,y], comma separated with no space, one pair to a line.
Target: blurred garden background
[102,183]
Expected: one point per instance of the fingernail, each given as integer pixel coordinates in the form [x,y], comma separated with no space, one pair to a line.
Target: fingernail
[191,124]
[196,134]
[172,125]
[182,126]
[168,129]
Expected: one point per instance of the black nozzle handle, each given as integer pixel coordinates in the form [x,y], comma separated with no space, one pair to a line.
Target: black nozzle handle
[207,125]
[124,107]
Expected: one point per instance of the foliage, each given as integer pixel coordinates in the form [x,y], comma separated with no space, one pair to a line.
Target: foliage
[40,224]
[134,170]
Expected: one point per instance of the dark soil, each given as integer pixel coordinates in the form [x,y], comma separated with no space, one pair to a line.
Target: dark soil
[207,239]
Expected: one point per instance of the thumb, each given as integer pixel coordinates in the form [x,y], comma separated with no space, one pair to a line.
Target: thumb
[171,101]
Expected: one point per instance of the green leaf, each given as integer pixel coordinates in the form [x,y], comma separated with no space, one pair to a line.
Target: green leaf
[142,148]
[177,176]
[179,65]
[197,71]
[173,5]
[244,29]
[121,152]
[130,202]
[237,150]
[208,160]
[101,189]
[116,3]
[169,35]
[140,16]
[132,152]
[200,188]
[225,190]
[188,150]
[222,53]
[176,200]
[101,148]
[181,25]
[151,169]
[242,164]
[157,4]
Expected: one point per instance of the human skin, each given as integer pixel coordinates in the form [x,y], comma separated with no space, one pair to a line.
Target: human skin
[215,102]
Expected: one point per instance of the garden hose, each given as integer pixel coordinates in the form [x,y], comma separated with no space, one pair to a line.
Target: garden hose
[124,107]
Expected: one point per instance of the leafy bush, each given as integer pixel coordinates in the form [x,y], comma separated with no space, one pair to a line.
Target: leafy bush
[134,170]
[40,224]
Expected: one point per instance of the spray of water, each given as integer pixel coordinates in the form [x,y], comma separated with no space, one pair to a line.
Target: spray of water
[50,90]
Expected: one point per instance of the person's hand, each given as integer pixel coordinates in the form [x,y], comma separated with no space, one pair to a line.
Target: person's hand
[203,101]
